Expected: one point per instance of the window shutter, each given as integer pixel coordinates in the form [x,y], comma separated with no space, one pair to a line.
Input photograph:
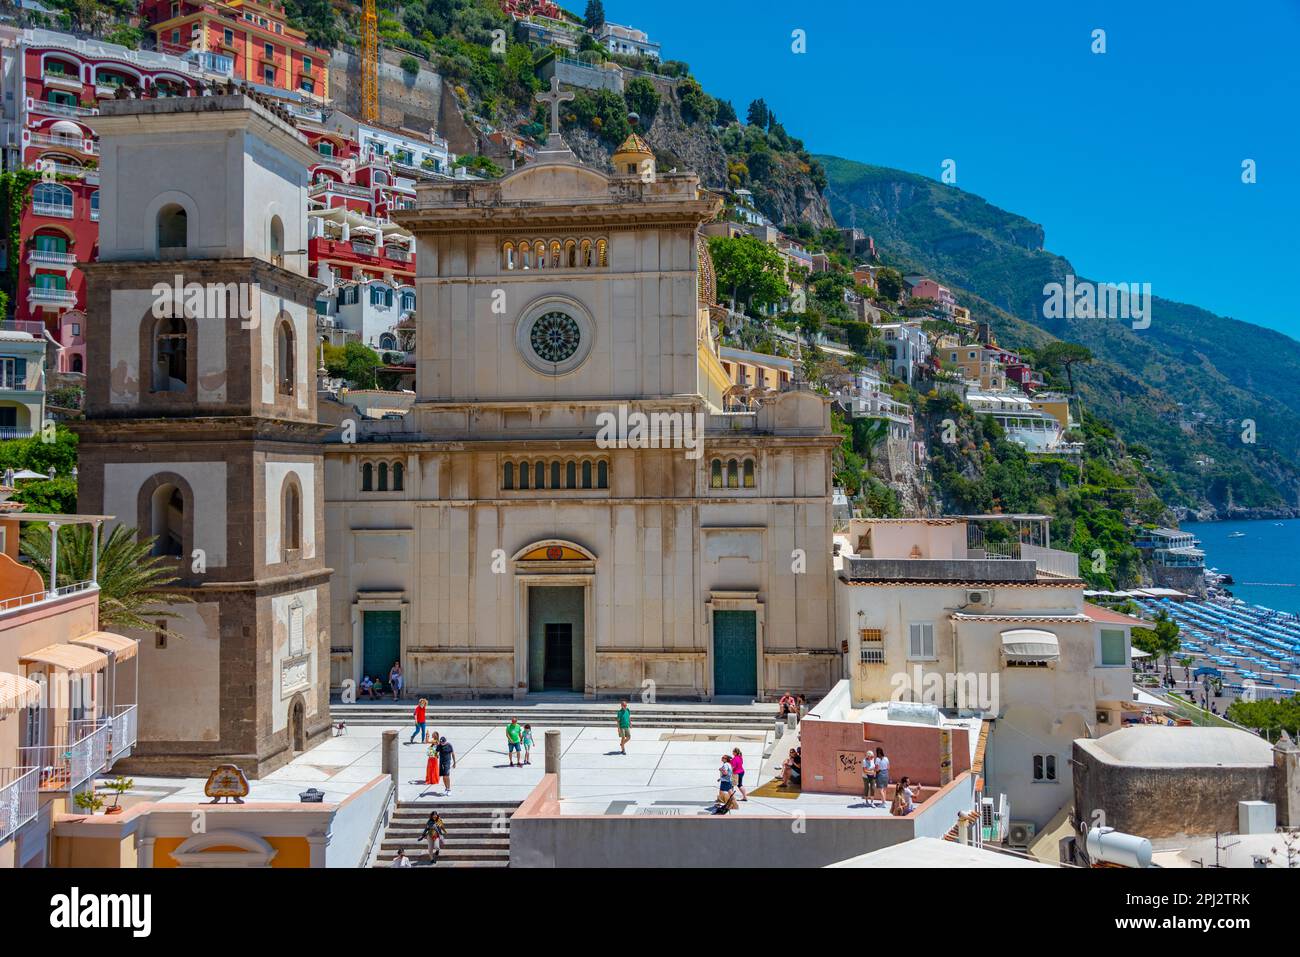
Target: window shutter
[1112,647]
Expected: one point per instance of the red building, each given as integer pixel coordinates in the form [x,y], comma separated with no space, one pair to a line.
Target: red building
[261,47]
[60,83]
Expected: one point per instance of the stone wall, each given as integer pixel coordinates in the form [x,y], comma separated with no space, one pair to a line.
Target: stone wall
[419,102]
[1167,802]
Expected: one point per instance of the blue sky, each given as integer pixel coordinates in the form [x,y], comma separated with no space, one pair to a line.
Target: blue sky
[1131,159]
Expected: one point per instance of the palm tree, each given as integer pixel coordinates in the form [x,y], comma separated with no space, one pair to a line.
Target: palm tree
[870,432]
[132,581]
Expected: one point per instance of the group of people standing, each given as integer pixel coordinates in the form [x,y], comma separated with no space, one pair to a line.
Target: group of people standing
[875,785]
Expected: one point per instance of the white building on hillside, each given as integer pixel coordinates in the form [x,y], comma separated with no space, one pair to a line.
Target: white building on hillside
[1000,631]
[1037,431]
[909,347]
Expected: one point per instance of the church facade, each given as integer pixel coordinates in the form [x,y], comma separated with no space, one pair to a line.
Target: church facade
[571,505]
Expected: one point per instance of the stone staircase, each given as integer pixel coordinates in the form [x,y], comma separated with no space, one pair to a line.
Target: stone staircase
[478,833]
[558,714]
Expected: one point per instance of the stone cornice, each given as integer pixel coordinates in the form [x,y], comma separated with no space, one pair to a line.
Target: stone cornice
[144,273]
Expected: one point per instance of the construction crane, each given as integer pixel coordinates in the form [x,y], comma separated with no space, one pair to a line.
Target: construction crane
[369,62]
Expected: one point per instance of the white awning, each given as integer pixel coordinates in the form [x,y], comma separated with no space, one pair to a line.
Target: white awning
[16,693]
[1030,644]
[122,647]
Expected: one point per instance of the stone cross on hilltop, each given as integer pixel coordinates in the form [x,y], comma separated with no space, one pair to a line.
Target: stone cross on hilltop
[555,98]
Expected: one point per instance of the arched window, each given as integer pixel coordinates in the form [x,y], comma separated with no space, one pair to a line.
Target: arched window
[602,474]
[167,521]
[508,256]
[555,475]
[76,362]
[555,254]
[540,246]
[586,474]
[397,476]
[523,475]
[539,475]
[508,476]
[367,477]
[570,253]
[585,252]
[277,241]
[292,519]
[383,476]
[94,205]
[715,474]
[173,227]
[285,369]
[170,355]
[388,341]
[52,199]
[602,251]
[571,475]
[733,474]
[749,473]
[526,255]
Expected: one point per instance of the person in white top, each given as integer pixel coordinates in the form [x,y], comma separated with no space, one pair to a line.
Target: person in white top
[869,778]
[882,774]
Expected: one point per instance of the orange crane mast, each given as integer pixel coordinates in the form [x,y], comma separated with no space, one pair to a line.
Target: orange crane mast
[369,63]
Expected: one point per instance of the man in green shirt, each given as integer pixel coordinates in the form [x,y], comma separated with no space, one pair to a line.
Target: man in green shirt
[514,737]
[624,727]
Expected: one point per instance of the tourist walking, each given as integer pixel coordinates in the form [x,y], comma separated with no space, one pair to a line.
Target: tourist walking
[738,769]
[869,778]
[624,727]
[446,761]
[431,765]
[395,679]
[725,782]
[420,711]
[882,773]
[435,835]
[528,744]
[514,743]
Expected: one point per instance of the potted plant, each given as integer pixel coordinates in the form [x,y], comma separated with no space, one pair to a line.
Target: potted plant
[119,786]
[88,801]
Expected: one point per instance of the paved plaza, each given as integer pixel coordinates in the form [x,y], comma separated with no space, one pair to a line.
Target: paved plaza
[666,771]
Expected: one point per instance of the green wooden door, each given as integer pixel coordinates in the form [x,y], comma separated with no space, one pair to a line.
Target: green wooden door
[381,643]
[735,653]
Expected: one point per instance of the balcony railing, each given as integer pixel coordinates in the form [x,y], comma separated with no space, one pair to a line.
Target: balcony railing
[18,799]
[63,142]
[122,731]
[29,326]
[1052,561]
[14,433]
[89,174]
[61,210]
[49,257]
[49,295]
[62,109]
[400,255]
[22,601]
[78,751]
[364,249]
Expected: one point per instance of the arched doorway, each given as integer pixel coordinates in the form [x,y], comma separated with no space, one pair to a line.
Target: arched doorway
[298,724]
[556,642]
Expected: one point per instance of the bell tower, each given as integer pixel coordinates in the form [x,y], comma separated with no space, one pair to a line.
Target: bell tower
[201,430]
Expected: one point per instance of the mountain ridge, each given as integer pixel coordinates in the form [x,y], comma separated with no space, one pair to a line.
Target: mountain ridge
[1185,387]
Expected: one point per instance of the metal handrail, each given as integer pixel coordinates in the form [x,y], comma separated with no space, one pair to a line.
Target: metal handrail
[19,802]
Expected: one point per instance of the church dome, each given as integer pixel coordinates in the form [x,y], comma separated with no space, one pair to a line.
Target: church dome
[630,158]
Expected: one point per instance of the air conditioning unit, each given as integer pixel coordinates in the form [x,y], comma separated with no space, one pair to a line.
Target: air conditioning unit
[987,813]
[979,598]
[1103,717]
[1020,834]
